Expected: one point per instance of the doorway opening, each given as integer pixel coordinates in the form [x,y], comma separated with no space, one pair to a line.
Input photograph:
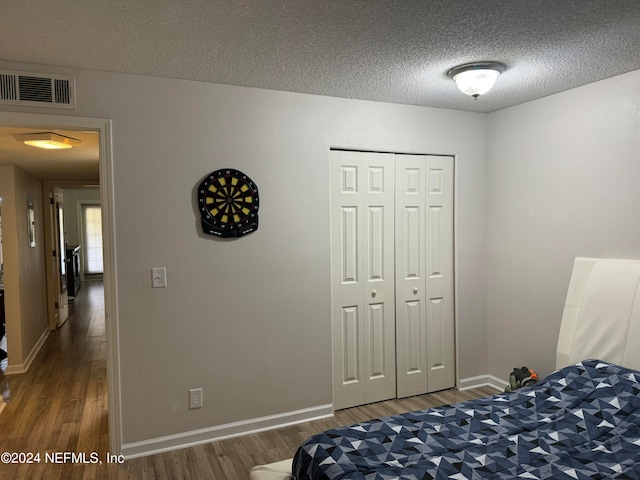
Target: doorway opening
[79,125]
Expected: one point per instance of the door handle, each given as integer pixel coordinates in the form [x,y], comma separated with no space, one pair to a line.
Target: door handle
[415,290]
[374,293]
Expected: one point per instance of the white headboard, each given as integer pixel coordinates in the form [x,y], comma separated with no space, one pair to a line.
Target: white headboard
[601,317]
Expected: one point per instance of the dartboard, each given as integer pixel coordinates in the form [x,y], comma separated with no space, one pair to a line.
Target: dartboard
[228,202]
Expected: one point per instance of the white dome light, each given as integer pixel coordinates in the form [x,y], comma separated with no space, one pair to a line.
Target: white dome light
[475,79]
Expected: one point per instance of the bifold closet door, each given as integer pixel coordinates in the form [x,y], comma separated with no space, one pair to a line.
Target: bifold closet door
[424,274]
[363,309]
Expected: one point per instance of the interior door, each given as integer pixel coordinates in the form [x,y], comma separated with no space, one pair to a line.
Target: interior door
[424,274]
[60,259]
[363,310]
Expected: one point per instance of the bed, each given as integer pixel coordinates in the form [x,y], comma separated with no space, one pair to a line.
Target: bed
[582,421]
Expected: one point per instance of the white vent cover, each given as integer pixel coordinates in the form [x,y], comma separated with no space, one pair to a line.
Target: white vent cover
[28,89]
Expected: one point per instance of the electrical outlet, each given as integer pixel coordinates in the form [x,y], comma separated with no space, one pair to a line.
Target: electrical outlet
[195,398]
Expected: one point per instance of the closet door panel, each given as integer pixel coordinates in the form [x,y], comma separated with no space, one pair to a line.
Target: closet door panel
[379,293]
[362,278]
[439,280]
[347,275]
[410,230]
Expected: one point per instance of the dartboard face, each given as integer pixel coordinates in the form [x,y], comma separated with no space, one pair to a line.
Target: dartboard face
[228,202]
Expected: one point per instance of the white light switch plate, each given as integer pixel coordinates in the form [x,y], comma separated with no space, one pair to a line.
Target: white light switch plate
[159,277]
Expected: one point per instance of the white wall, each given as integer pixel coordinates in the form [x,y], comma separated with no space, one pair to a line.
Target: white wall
[248,320]
[24,268]
[563,181]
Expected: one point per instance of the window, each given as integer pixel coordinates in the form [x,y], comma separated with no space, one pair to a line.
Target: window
[92,229]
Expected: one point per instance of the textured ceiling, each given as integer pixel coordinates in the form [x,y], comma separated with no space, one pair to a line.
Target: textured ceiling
[385,50]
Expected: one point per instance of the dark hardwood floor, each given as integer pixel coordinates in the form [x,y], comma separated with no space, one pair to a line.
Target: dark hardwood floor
[60,405]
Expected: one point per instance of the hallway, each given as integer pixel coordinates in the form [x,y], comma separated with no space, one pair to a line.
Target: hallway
[60,404]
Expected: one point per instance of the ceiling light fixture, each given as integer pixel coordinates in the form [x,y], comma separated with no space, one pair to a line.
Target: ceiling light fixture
[47,140]
[476,78]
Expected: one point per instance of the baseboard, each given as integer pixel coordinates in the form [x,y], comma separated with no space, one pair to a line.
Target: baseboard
[482,381]
[23,367]
[222,432]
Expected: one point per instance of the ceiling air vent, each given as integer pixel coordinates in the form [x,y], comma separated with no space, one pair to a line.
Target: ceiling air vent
[29,89]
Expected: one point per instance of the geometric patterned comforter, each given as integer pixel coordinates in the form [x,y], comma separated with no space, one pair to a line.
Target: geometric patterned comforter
[581,422]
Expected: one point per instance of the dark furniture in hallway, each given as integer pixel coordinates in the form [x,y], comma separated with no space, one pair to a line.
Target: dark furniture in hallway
[73,270]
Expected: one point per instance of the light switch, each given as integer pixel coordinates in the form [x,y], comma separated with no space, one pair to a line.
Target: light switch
[158,277]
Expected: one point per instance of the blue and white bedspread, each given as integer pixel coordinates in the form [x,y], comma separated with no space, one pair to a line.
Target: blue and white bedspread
[581,422]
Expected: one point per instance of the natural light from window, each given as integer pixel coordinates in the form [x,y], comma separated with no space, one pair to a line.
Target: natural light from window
[92,223]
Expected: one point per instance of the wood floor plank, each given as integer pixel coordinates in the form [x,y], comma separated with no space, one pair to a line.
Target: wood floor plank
[60,405]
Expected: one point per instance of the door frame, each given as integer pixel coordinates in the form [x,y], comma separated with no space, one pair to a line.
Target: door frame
[104,129]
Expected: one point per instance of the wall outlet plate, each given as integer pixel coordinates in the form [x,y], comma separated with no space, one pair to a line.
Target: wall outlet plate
[195,398]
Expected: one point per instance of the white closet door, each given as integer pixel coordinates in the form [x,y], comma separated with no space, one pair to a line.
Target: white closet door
[410,231]
[379,291]
[424,274]
[439,274]
[363,310]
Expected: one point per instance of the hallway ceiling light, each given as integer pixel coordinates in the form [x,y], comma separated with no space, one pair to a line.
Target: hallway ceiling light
[47,140]
[476,78]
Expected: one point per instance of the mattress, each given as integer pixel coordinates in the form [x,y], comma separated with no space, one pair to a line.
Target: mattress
[272,471]
[582,421]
